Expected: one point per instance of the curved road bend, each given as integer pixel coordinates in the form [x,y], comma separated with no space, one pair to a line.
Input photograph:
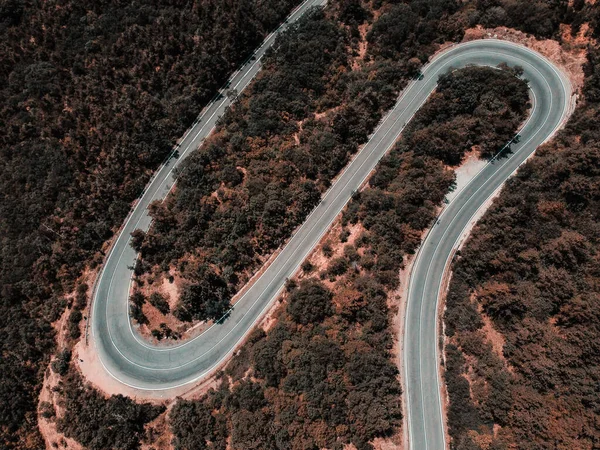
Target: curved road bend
[140,365]
[551,94]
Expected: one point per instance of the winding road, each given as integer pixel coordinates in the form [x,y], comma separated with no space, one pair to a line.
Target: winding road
[551,96]
[141,365]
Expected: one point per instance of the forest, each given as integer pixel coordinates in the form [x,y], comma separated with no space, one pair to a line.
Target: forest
[94,95]
[523,310]
[275,152]
[98,423]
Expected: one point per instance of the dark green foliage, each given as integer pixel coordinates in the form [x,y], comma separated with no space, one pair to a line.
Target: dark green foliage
[246,395]
[73,325]
[462,414]
[310,303]
[290,285]
[315,388]
[137,314]
[375,399]
[157,334]
[61,364]
[276,191]
[267,356]
[252,431]
[536,17]
[485,109]
[138,298]
[137,239]
[404,30]
[99,423]
[93,96]
[323,376]
[352,12]
[338,266]
[47,410]
[412,178]
[81,298]
[307,267]
[75,315]
[136,302]
[195,427]
[159,302]
[208,299]
[391,31]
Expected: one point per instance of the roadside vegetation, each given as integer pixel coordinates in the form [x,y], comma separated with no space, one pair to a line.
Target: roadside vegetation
[276,151]
[99,423]
[323,374]
[322,91]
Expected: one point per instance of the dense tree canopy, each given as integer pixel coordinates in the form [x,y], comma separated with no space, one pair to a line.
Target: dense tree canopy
[99,423]
[310,303]
[276,151]
[258,177]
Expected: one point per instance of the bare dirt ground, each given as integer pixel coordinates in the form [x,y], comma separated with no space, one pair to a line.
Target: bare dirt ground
[392,443]
[170,290]
[492,335]
[49,401]
[470,167]
[362,46]
[158,434]
[381,444]
[88,363]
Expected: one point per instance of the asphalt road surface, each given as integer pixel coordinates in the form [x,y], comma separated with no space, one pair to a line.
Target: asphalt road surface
[139,364]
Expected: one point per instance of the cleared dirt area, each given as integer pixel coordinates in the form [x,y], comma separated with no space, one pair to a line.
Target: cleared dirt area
[469,168]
